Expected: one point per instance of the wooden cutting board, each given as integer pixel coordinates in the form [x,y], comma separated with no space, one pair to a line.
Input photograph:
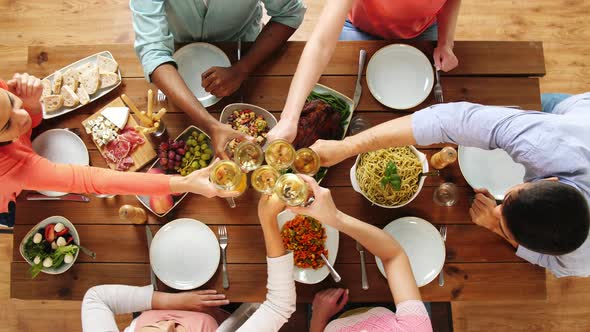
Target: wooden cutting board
[143,154]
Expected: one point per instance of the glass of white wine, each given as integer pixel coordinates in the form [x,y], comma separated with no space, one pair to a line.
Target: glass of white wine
[306,162]
[292,189]
[279,154]
[249,156]
[264,179]
[227,175]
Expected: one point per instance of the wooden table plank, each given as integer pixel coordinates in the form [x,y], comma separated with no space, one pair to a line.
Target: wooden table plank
[463,282]
[216,211]
[475,57]
[465,244]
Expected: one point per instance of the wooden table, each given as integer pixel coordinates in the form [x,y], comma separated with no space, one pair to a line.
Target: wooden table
[480,265]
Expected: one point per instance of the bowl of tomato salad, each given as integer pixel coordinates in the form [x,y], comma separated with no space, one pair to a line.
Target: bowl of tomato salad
[307,238]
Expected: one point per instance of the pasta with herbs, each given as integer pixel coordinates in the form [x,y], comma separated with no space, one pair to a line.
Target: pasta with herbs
[371,169]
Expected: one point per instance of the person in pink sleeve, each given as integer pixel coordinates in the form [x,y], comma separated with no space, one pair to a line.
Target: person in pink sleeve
[21,168]
[410,315]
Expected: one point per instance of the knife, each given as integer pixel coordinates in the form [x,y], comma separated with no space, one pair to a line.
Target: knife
[359,90]
[364,281]
[68,197]
[150,236]
[239,58]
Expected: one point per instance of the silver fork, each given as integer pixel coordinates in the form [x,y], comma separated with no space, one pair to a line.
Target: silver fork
[443,235]
[161,96]
[438,93]
[222,231]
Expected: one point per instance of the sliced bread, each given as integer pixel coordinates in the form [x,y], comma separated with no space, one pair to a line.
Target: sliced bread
[71,78]
[57,82]
[83,95]
[90,80]
[52,103]
[70,97]
[46,87]
[108,79]
[107,65]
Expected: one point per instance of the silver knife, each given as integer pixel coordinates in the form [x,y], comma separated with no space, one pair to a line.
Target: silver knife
[364,281]
[359,90]
[150,236]
[239,58]
[68,197]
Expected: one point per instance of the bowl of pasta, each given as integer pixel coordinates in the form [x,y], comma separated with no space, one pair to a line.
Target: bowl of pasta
[389,178]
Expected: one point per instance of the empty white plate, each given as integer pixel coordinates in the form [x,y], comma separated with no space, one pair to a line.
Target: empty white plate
[311,276]
[491,169]
[423,245]
[63,147]
[184,254]
[193,60]
[400,76]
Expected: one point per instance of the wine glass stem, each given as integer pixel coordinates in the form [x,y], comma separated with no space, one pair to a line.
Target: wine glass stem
[232,203]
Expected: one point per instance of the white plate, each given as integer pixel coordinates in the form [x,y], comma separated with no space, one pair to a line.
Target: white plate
[184,254]
[491,169]
[52,220]
[423,245]
[400,76]
[357,188]
[193,60]
[63,147]
[311,276]
[101,92]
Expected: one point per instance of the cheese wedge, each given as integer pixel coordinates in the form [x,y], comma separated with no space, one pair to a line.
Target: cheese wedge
[71,78]
[117,115]
[107,65]
[52,103]
[70,97]
[83,95]
[108,80]
[46,87]
[90,80]
[57,82]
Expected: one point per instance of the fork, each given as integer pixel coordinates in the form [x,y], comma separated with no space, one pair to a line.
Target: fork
[438,93]
[222,231]
[443,235]
[161,96]
[364,281]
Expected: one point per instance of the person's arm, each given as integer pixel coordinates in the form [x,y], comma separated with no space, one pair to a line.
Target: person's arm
[316,55]
[286,16]
[37,173]
[281,297]
[444,57]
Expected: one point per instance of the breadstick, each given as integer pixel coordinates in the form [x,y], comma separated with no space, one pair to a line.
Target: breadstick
[159,115]
[156,124]
[131,105]
[150,103]
[145,120]
[149,130]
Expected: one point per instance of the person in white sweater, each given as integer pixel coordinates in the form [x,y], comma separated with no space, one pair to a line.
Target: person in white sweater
[194,311]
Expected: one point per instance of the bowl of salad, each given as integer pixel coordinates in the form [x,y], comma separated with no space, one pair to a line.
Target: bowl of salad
[248,119]
[51,246]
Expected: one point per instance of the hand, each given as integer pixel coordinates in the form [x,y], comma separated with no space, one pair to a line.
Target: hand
[331,152]
[28,88]
[444,58]
[269,207]
[482,211]
[222,81]
[223,134]
[199,300]
[198,182]
[323,208]
[284,129]
[327,303]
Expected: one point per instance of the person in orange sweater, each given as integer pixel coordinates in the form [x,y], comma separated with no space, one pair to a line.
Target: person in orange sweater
[21,168]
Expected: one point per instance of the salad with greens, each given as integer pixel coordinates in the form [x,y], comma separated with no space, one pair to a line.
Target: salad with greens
[50,247]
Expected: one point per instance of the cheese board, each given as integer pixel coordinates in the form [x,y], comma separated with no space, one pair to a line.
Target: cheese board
[107,125]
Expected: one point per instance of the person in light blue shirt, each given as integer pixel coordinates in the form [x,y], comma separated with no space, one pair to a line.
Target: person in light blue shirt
[547,217]
[159,24]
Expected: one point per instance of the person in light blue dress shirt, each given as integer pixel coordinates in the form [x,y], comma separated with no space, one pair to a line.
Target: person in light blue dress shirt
[159,24]
[547,217]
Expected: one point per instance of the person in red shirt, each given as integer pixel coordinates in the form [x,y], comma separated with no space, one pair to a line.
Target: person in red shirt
[21,168]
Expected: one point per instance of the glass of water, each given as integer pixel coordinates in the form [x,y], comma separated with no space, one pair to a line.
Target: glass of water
[446,194]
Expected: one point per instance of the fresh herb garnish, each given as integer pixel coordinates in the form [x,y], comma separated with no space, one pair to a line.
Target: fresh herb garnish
[391,177]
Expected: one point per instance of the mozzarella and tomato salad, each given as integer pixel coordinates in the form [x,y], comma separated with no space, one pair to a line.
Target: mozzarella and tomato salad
[50,247]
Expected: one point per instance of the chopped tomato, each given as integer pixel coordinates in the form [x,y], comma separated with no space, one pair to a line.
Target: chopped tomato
[50,233]
[305,236]
[62,232]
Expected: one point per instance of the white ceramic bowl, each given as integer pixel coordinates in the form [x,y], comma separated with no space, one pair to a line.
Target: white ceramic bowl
[357,188]
[229,109]
[52,220]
